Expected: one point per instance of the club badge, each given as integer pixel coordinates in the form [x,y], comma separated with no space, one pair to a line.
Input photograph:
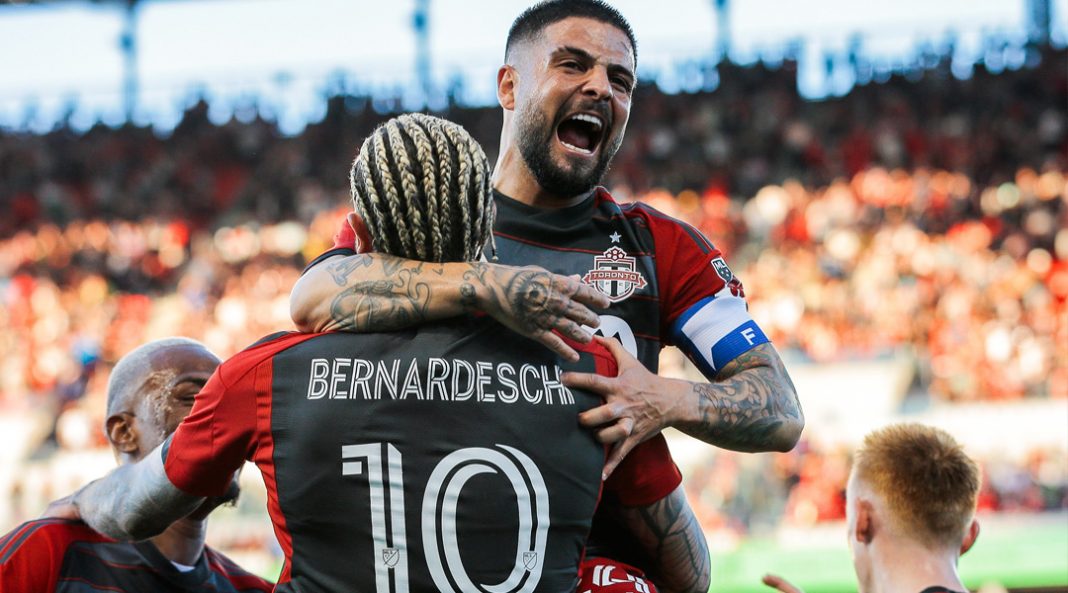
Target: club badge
[615,274]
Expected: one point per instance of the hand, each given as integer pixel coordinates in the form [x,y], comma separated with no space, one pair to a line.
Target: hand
[777,582]
[638,404]
[534,303]
[63,508]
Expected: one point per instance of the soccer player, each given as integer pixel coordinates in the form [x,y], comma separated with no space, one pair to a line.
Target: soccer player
[910,512]
[445,457]
[566,90]
[150,390]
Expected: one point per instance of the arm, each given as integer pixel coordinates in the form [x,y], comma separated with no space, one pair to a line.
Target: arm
[134,502]
[668,534]
[378,292]
[751,406]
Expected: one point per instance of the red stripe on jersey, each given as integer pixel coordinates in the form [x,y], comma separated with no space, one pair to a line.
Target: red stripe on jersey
[559,248]
[265,461]
[95,586]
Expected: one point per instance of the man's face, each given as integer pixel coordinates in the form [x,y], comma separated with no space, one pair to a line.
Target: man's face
[572,102]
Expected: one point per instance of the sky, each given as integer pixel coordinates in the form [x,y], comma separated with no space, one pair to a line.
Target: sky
[288,53]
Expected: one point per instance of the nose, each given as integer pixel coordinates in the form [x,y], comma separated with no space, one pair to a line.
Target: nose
[597,86]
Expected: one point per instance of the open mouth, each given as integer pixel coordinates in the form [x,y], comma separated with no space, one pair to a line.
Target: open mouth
[581,133]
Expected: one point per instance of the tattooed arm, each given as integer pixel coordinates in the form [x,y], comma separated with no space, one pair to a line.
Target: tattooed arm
[668,535]
[751,406]
[135,501]
[378,292]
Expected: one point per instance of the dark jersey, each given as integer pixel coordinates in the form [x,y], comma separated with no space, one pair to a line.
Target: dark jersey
[668,284]
[443,458]
[61,556]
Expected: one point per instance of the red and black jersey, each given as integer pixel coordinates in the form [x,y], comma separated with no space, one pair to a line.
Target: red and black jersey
[62,556]
[442,458]
[668,284]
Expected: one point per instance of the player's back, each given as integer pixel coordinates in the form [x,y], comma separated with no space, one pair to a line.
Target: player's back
[445,458]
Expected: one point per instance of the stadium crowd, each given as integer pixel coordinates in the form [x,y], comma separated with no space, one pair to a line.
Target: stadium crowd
[926,214]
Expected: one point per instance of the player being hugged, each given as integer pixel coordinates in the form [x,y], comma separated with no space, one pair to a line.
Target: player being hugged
[445,457]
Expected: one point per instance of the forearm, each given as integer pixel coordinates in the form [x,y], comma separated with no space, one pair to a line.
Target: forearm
[134,502]
[752,406]
[377,292]
[671,538]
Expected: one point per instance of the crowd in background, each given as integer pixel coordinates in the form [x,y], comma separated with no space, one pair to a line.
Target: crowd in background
[925,215]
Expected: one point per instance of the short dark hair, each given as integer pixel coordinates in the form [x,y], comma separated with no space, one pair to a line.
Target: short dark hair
[536,18]
[422,186]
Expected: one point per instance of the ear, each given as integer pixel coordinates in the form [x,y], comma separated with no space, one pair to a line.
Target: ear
[122,433]
[506,80]
[363,236]
[864,531]
[970,537]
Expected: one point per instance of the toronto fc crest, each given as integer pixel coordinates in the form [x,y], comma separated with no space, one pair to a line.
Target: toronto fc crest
[615,274]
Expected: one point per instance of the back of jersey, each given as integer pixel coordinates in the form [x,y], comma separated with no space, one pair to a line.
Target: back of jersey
[447,458]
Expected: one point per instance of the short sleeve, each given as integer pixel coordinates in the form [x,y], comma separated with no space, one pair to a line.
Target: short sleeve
[216,438]
[646,474]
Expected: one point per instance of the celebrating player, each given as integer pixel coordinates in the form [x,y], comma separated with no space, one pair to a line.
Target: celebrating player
[150,390]
[910,512]
[441,458]
[566,90]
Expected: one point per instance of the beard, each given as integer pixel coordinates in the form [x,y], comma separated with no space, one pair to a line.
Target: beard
[535,139]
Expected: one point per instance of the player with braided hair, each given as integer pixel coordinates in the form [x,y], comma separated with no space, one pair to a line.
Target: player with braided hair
[444,457]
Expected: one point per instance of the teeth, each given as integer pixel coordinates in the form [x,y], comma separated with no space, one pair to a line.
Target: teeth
[589,119]
[576,148]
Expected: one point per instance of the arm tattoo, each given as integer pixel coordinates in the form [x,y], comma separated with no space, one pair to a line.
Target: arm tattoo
[383,305]
[670,536]
[752,406]
[341,270]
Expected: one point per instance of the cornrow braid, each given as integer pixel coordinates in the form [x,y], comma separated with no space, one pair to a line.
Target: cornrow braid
[422,186]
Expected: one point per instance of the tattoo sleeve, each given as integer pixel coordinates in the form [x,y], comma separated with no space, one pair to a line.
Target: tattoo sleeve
[752,405]
[670,537]
[135,501]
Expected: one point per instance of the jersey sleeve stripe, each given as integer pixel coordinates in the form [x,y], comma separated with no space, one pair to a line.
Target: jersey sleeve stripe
[93,586]
[20,536]
[698,238]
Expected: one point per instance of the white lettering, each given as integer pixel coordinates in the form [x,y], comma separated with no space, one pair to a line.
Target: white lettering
[437,372]
[317,384]
[362,370]
[749,335]
[411,382]
[512,394]
[482,379]
[387,378]
[340,366]
[524,372]
[459,395]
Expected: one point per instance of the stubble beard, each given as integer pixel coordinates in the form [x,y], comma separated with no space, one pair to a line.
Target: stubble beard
[535,138]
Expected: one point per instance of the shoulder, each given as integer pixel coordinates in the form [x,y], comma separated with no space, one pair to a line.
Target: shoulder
[45,537]
[258,352]
[228,570]
[664,226]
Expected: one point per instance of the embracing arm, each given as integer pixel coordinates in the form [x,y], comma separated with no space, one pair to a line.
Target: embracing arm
[377,292]
[751,406]
[135,501]
[668,534]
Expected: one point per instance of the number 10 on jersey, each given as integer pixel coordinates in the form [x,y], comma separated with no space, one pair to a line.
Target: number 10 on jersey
[382,465]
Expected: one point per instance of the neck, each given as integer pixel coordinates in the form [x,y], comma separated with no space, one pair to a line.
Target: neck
[183,541]
[513,178]
[906,566]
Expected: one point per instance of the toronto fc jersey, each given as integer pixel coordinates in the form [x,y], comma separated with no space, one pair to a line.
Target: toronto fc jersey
[62,556]
[668,284]
[442,458]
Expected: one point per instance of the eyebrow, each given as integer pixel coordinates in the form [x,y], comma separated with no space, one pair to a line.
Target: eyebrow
[585,55]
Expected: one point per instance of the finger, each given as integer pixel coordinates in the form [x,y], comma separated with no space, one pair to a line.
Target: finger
[616,432]
[573,330]
[557,345]
[590,382]
[617,350]
[599,416]
[589,296]
[780,583]
[581,314]
[615,457]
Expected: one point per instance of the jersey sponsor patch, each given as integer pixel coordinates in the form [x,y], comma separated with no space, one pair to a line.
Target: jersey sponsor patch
[722,270]
[716,330]
[615,274]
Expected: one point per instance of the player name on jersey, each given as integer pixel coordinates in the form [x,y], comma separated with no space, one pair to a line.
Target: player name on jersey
[451,380]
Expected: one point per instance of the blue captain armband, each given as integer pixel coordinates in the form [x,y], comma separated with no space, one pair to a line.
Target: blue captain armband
[715,331]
